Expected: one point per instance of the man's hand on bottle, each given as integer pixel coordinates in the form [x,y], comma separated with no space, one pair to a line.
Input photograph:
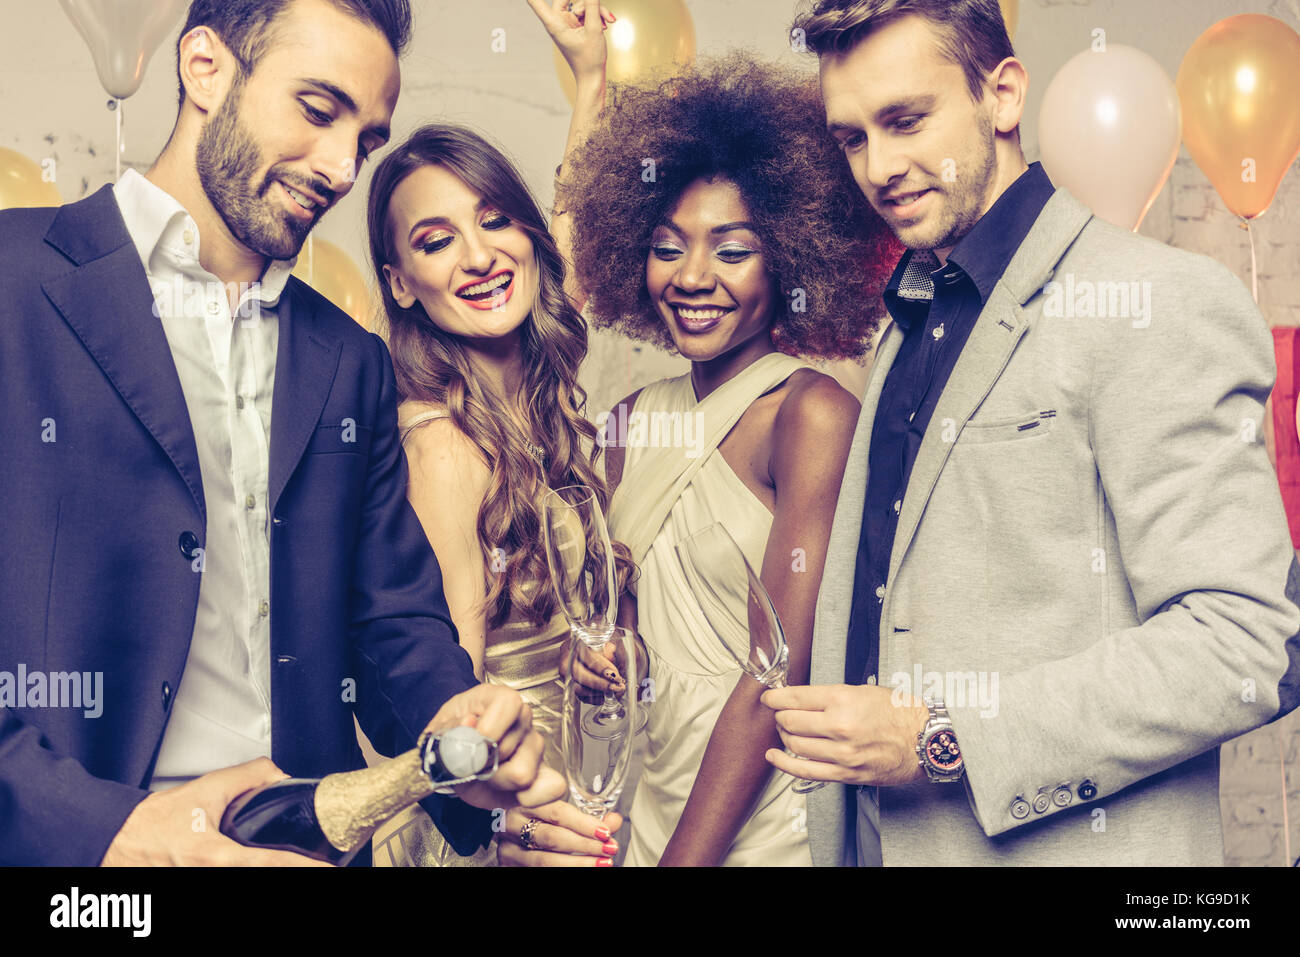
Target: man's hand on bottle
[503,716]
[182,826]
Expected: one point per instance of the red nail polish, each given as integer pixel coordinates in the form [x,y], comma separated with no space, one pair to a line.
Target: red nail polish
[604,862]
[602,834]
[610,848]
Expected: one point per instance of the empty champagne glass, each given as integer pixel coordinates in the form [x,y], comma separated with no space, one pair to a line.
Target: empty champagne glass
[723,583]
[581,561]
[596,762]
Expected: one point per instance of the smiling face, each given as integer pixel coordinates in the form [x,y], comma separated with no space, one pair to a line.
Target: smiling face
[472,268]
[922,152]
[287,140]
[706,274]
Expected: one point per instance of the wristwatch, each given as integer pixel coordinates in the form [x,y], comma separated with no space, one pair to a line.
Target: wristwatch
[937,747]
[457,756]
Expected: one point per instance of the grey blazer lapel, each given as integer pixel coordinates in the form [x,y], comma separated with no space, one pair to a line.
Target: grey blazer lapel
[997,331]
[828,807]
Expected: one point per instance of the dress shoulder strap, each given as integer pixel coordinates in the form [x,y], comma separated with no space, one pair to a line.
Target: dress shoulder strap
[669,444]
[420,418]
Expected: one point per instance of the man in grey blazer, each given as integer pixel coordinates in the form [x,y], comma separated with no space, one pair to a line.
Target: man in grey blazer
[1059,575]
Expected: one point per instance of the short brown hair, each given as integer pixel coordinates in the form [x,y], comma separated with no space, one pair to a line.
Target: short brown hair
[972,33]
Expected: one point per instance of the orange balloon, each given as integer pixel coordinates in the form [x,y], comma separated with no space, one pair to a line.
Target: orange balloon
[328,270]
[22,184]
[1241,116]
[650,40]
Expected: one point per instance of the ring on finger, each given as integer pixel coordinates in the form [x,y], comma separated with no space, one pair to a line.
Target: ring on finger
[526,839]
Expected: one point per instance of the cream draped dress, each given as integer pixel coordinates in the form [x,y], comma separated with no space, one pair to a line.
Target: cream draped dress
[518,655]
[667,494]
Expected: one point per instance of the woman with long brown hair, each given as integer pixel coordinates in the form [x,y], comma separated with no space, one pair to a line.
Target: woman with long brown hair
[486,348]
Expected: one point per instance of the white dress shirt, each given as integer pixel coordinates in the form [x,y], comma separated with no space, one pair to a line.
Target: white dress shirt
[221,714]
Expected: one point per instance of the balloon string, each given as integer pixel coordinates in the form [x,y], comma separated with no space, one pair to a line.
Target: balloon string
[1281,743]
[118,153]
[1254,269]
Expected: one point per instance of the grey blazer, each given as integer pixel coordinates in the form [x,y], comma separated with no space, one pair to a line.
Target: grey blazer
[1091,566]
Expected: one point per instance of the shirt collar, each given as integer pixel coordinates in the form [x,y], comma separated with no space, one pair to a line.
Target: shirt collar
[984,253]
[159,225]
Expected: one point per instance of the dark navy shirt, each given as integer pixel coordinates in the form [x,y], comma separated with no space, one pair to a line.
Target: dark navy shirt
[934,333]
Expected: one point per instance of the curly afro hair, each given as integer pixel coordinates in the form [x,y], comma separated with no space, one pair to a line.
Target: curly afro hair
[761,126]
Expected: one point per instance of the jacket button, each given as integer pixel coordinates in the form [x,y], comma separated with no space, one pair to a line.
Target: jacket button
[1087,790]
[1041,802]
[167,695]
[277,520]
[189,544]
[1062,796]
[1019,808]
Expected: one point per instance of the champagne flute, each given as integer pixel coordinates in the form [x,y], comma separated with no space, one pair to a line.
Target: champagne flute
[757,644]
[597,755]
[581,562]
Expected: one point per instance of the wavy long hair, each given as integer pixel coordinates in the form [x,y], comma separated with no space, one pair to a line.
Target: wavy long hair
[431,365]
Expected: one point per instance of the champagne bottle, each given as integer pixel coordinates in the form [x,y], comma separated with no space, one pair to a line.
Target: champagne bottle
[331,818]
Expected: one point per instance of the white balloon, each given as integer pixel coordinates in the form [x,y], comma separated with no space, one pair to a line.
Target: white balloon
[122,36]
[1109,130]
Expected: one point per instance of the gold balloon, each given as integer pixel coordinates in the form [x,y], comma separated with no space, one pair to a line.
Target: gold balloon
[1010,15]
[649,42]
[328,270]
[21,183]
[1241,118]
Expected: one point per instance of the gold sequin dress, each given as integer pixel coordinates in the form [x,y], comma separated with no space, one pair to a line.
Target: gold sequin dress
[518,655]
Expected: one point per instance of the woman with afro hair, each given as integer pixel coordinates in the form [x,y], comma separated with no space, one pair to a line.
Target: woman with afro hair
[714,217]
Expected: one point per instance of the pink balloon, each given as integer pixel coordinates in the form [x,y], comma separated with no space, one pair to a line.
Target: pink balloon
[1109,131]
[122,36]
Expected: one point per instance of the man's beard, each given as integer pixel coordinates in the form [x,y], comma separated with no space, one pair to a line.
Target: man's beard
[965,197]
[227,159]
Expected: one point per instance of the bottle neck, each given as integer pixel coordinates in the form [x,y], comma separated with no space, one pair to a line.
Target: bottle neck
[352,804]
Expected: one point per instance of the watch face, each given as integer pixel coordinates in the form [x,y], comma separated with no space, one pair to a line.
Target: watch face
[942,751]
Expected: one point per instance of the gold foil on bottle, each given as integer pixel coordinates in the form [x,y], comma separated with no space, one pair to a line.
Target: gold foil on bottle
[352,804]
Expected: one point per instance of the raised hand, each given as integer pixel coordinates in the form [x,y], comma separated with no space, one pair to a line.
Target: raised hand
[579,37]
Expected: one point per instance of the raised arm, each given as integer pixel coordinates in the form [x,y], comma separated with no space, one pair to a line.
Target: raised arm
[810,445]
[581,42]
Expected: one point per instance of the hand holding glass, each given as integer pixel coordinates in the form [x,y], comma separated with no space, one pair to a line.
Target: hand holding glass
[721,578]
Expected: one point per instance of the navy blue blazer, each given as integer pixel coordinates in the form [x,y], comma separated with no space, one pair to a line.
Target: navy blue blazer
[101,513]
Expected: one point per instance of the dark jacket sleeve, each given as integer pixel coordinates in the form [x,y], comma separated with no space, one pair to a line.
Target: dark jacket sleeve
[52,811]
[406,649]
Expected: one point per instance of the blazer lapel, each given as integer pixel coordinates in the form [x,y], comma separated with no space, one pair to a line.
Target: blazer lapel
[109,305]
[306,361]
[997,331]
